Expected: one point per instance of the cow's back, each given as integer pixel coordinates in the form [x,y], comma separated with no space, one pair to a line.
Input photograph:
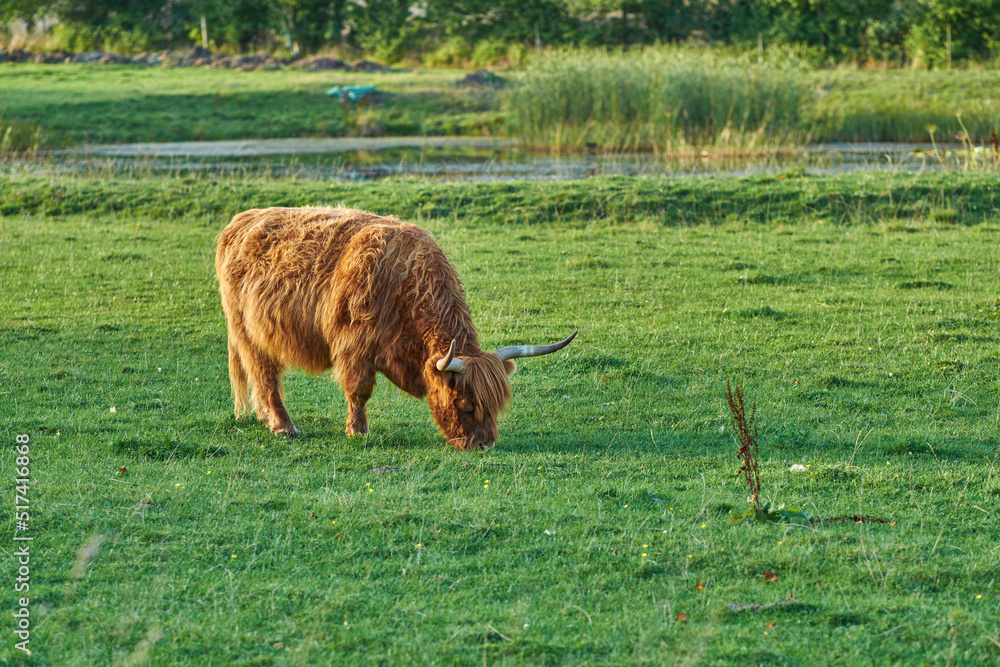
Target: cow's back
[290,276]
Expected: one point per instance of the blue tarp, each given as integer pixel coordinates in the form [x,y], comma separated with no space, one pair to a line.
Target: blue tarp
[353,93]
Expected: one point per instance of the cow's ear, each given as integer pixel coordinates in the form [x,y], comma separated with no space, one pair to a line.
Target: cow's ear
[509,366]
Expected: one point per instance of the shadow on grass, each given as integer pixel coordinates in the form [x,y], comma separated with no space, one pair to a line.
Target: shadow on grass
[790,609]
[612,440]
[322,437]
[158,448]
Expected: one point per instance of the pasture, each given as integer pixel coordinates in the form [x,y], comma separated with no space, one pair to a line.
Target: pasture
[859,312]
[73,104]
[667,99]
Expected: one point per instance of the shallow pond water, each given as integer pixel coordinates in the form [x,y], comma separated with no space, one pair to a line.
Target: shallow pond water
[484,159]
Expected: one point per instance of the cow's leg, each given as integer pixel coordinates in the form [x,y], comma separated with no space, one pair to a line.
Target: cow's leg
[358,386]
[238,379]
[267,396]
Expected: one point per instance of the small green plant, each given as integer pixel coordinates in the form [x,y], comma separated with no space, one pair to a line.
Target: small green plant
[976,157]
[782,513]
[745,427]
[746,434]
[931,129]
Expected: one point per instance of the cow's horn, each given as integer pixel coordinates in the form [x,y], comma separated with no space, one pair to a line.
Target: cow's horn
[449,363]
[518,351]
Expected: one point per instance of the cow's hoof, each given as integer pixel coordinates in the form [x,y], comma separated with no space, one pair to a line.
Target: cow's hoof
[357,430]
[287,431]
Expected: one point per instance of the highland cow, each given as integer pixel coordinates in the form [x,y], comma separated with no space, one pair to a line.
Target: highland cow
[323,288]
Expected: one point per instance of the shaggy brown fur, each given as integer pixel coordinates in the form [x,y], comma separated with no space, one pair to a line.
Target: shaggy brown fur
[338,288]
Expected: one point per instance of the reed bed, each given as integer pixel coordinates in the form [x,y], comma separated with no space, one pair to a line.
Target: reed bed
[663,100]
[18,138]
[905,105]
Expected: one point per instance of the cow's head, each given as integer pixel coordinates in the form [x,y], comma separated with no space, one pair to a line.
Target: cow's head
[472,391]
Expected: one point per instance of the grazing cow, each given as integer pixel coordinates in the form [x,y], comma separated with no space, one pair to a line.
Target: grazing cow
[322,288]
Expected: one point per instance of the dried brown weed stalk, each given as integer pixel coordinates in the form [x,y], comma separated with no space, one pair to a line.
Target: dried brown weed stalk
[746,433]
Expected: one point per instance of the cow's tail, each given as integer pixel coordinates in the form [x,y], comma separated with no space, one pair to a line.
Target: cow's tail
[238,380]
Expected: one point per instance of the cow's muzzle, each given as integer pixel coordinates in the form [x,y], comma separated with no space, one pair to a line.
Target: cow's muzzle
[469,442]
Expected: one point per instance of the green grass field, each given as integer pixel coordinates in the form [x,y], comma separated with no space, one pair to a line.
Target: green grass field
[570,100]
[860,313]
[76,104]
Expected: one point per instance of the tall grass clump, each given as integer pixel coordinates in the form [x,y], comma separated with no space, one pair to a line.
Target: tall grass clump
[897,118]
[898,105]
[17,138]
[663,99]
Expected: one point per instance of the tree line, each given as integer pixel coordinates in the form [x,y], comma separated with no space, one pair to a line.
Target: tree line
[899,32]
